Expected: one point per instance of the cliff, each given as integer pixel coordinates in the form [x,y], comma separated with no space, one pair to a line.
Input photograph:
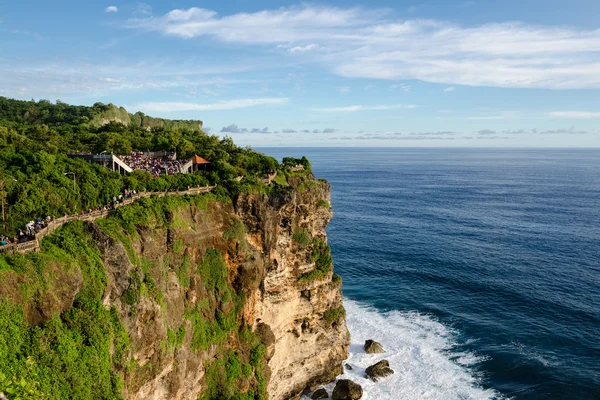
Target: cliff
[188,298]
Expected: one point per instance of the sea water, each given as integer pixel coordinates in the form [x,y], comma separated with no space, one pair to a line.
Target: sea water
[477,269]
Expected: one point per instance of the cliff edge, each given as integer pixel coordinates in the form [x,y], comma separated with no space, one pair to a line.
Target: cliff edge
[182,298]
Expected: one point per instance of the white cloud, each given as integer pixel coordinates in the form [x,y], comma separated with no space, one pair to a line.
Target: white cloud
[406,88]
[343,89]
[450,89]
[303,49]
[366,108]
[575,114]
[111,9]
[368,43]
[219,106]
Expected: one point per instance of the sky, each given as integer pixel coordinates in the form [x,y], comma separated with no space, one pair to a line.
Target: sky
[440,73]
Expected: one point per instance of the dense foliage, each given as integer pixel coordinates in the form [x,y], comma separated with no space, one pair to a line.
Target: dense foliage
[35,138]
[83,352]
[86,344]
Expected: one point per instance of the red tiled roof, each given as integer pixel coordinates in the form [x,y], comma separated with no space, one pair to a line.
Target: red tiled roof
[196,160]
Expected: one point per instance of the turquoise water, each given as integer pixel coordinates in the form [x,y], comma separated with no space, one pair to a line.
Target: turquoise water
[481,267]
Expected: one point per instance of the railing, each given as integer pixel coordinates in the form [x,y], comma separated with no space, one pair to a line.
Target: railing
[187,166]
[269,178]
[34,245]
[121,163]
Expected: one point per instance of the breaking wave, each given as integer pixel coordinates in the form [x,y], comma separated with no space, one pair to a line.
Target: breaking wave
[423,353]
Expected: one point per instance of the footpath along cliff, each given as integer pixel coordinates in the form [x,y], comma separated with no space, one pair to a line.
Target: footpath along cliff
[180,298]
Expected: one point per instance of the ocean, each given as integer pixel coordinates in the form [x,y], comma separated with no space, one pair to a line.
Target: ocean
[477,269]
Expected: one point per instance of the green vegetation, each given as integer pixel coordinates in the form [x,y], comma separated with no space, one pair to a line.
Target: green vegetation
[82,350]
[77,343]
[35,138]
[334,315]
[321,255]
[323,203]
[221,376]
[291,162]
[281,179]
[302,237]
[237,231]
[176,338]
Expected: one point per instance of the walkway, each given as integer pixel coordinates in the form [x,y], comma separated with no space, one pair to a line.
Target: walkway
[34,245]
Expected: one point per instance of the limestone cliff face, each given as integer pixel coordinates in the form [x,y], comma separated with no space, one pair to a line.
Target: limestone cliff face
[308,350]
[267,244]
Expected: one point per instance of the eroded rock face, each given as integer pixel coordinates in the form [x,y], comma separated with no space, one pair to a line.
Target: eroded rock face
[308,350]
[159,288]
[372,347]
[380,370]
[347,390]
[302,349]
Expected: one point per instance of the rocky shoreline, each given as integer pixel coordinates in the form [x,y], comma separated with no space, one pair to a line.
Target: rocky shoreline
[346,389]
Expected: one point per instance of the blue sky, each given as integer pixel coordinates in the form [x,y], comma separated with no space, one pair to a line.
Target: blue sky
[281,73]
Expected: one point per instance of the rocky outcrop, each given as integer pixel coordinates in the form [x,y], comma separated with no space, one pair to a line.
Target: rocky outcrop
[347,390]
[380,370]
[309,350]
[320,394]
[372,347]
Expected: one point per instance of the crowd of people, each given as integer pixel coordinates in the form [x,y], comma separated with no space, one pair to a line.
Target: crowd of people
[32,228]
[156,165]
[28,233]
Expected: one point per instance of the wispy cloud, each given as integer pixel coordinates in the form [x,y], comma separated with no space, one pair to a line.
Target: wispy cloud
[370,43]
[219,106]
[50,79]
[405,88]
[142,10]
[111,9]
[450,89]
[562,131]
[343,89]
[502,115]
[303,49]
[365,108]
[575,114]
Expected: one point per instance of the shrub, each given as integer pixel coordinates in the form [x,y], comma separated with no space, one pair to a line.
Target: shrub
[321,255]
[302,237]
[237,231]
[323,203]
[334,315]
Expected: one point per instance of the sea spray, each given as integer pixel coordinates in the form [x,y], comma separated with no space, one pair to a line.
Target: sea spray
[422,352]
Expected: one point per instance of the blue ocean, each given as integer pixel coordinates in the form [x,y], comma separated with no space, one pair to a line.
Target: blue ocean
[477,269]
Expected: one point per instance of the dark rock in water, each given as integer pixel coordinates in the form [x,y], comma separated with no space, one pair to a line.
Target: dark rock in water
[347,390]
[372,347]
[380,370]
[348,367]
[320,394]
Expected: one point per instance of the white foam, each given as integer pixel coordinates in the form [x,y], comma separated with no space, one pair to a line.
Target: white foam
[420,350]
